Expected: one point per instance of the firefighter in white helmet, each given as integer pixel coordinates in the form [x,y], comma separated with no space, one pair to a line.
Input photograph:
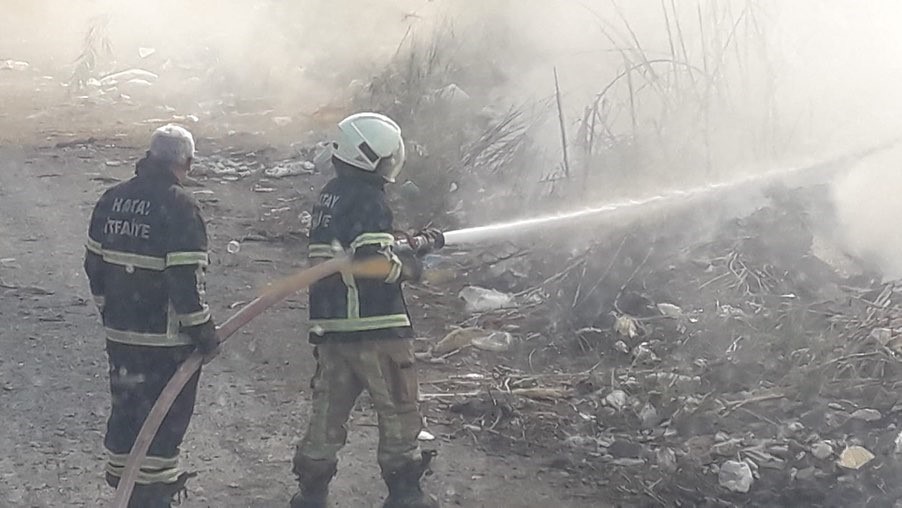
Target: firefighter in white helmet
[360,328]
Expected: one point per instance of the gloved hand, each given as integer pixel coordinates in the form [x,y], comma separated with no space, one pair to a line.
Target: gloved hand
[205,339]
[411,266]
[435,236]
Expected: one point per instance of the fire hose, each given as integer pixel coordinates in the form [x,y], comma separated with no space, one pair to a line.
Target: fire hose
[376,267]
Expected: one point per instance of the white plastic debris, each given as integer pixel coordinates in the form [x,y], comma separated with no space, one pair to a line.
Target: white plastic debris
[128,75]
[480,299]
[822,450]
[425,435]
[290,169]
[882,335]
[453,94]
[669,310]
[616,399]
[626,326]
[854,457]
[868,415]
[494,341]
[735,476]
[13,65]
[233,247]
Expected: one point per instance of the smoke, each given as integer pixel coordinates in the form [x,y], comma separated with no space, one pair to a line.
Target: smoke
[868,208]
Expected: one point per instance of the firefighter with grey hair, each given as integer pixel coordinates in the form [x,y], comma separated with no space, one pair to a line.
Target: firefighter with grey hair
[146,255]
[360,328]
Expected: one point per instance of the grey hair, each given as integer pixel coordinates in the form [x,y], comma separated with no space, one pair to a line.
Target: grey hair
[172,144]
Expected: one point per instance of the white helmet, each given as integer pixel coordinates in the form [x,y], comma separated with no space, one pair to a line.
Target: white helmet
[371,142]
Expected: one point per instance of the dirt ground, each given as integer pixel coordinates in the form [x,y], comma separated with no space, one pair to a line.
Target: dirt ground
[252,406]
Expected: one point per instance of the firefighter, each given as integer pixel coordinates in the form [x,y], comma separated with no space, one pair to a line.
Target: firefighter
[145,258]
[360,328]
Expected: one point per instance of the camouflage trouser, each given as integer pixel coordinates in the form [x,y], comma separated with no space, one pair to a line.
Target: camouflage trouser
[385,368]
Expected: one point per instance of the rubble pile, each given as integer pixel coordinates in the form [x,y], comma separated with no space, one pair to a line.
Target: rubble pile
[733,368]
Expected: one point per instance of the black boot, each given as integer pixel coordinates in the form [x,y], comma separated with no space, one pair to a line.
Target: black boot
[404,489]
[155,495]
[313,479]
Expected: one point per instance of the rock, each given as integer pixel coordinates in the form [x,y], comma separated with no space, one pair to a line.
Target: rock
[479,299]
[898,443]
[425,435]
[735,476]
[854,457]
[806,474]
[822,450]
[622,347]
[616,399]
[868,415]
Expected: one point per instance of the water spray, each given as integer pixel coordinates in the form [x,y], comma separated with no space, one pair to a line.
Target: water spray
[507,229]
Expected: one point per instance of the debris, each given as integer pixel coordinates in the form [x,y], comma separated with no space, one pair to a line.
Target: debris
[616,399]
[233,247]
[643,354]
[626,326]
[13,65]
[479,299]
[146,52]
[494,341]
[822,450]
[128,75]
[458,338]
[541,393]
[622,347]
[670,310]
[294,168]
[882,335]
[648,415]
[854,457]
[898,442]
[666,459]
[425,435]
[453,94]
[323,156]
[868,415]
[628,462]
[282,121]
[587,442]
[735,476]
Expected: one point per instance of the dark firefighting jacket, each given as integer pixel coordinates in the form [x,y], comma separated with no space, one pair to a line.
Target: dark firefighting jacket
[145,257]
[352,214]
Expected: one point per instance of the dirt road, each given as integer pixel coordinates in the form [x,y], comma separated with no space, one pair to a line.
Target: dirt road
[253,401]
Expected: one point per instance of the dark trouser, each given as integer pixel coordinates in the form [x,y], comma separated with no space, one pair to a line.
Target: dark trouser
[137,376]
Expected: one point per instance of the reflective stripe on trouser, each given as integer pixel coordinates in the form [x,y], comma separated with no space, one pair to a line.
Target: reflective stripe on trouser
[137,376]
[385,368]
